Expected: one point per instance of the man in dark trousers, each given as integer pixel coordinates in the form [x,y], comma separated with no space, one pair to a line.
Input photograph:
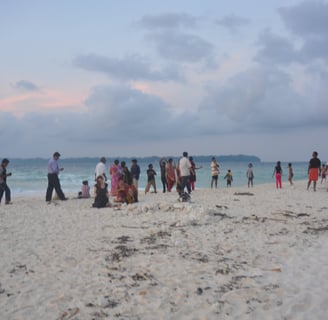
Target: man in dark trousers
[3,181]
[53,180]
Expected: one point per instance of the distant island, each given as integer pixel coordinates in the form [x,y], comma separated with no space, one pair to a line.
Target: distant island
[208,158]
[150,159]
[238,158]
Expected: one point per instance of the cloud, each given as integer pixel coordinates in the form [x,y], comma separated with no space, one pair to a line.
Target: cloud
[260,100]
[275,49]
[26,85]
[171,43]
[232,22]
[182,47]
[308,21]
[130,68]
[168,21]
[257,101]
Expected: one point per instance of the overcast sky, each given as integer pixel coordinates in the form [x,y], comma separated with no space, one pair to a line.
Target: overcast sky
[142,78]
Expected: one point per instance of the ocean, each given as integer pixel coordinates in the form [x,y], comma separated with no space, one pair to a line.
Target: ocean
[29,176]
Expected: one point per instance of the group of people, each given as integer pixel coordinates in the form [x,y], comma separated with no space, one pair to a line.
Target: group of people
[315,170]
[181,175]
[277,173]
[215,171]
[124,181]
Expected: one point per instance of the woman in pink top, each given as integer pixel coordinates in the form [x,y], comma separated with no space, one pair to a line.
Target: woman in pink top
[115,172]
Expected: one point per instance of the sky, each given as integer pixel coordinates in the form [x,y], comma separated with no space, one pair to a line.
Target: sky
[141,78]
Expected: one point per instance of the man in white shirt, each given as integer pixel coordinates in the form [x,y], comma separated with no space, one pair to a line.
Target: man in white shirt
[101,168]
[184,167]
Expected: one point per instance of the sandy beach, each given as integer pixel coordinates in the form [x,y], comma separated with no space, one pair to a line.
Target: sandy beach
[239,253]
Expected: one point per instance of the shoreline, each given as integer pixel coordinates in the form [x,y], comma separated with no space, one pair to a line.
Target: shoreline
[237,253]
[71,195]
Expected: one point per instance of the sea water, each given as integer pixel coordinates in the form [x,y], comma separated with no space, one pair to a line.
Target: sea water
[29,176]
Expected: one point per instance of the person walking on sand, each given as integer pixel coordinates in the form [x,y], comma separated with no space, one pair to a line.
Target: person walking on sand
[290,173]
[250,175]
[3,181]
[101,168]
[215,171]
[53,180]
[277,171]
[314,170]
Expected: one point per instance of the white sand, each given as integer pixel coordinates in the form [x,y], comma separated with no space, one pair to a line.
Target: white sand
[222,256]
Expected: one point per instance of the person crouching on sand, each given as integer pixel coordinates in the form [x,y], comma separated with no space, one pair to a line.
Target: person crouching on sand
[85,190]
[126,193]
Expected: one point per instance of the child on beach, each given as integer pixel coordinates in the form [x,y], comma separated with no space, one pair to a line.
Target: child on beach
[151,173]
[324,169]
[229,178]
[85,190]
[250,175]
[278,172]
[290,174]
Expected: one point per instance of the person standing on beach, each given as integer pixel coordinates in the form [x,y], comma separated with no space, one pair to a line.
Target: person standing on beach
[170,175]
[135,172]
[3,181]
[193,173]
[277,171]
[126,174]
[151,173]
[323,173]
[314,170]
[53,180]
[101,168]
[184,168]
[290,173]
[215,173]
[250,175]
[162,165]
[229,178]
[115,172]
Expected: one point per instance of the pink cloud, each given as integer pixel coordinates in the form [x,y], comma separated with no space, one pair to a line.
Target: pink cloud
[42,101]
